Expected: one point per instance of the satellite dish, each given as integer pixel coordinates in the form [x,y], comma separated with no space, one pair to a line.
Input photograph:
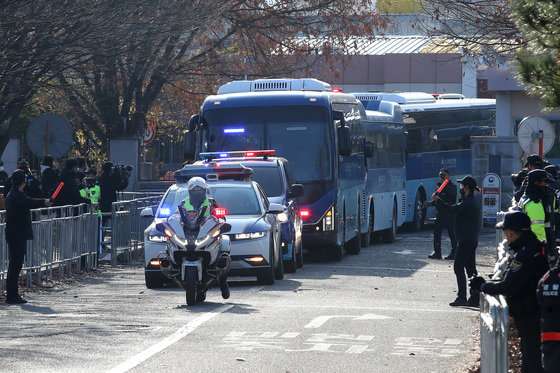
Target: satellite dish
[49,134]
[528,135]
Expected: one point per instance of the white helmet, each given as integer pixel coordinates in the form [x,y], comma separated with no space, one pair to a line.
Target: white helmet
[196,182]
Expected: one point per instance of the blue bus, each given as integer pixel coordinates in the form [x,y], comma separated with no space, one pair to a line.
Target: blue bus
[386,169]
[319,131]
[439,136]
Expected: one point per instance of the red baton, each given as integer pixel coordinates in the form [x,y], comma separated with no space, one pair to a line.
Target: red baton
[438,191]
[57,191]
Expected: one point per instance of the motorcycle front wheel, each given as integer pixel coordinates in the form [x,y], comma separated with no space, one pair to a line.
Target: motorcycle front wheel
[191,280]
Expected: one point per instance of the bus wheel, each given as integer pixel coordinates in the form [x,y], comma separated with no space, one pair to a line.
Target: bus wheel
[419,213]
[336,253]
[389,234]
[354,245]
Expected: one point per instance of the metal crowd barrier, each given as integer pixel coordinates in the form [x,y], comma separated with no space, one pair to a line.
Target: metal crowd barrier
[72,238]
[494,325]
[65,239]
[125,233]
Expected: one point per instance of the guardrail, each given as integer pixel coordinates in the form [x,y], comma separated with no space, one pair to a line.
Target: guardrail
[126,229]
[70,238]
[64,240]
[494,326]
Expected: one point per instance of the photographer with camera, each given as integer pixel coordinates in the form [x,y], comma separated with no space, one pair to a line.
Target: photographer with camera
[113,179]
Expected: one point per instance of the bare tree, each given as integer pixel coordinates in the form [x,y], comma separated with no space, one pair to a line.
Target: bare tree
[193,45]
[40,39]
[480,27]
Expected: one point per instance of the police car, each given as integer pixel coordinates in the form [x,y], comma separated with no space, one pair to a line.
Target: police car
[256,223]
[275,176]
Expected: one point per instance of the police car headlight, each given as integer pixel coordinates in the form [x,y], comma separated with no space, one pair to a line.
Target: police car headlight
[157,238]
[248,236]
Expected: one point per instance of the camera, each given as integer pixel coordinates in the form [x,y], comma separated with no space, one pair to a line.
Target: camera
[121,170]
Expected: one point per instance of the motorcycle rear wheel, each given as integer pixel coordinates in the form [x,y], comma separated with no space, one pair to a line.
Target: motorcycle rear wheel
[191,280]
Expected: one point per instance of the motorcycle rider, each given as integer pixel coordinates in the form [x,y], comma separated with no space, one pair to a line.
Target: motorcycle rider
[197,206]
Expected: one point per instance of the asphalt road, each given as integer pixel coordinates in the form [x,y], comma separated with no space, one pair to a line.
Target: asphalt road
[385,310]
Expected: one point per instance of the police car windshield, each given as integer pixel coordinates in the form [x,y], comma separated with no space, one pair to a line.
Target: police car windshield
[236,200]
[269,179]
[298,133]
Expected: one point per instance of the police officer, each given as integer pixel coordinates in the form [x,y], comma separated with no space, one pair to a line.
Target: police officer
[18,231]
[198,206]
[553,198]
[534,162]
[91,189]
[519,284]
[536,205]
[466,227]
[444,218]
[548,294]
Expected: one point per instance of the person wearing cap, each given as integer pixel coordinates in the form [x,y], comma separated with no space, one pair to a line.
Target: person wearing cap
[445,219]
[519,283]
[536,205]
[466,228]
[18,231]
[91,189]
[534,162]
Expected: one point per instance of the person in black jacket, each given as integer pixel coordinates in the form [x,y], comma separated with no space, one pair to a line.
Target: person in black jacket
[18,231]
[444,218]
[519,284]
[49,176]
[70,192]
[112,180]
[32,185]
[466,227]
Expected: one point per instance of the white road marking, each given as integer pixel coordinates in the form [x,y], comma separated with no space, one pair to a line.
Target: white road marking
[173,338]
[382,268]
[404,252]
[319,321]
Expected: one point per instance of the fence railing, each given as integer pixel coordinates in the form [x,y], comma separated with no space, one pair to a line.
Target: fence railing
[494,325]
[65,239]
[127,227]
[70,238]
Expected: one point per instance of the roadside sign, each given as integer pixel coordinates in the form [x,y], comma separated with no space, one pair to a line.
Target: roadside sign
[491,198]
[149,133]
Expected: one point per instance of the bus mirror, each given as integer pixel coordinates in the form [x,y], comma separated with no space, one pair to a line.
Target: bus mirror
[344,141]
[296,191]
[189,145]
[339,115]
[368,149]
[193,122]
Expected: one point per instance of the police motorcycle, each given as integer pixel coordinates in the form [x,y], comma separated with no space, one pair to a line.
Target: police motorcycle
[197,254]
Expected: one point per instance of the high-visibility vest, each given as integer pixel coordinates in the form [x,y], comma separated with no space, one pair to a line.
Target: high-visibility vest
[187,205]
[535,211]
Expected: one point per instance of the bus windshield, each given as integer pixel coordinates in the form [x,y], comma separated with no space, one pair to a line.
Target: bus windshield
[300,134]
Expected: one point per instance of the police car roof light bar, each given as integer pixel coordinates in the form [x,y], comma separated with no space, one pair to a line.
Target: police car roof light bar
[234,171]
[237,154]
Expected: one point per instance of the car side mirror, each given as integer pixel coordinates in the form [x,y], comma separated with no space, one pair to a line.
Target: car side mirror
[225,228]
[147,212]
[296,191]
[275,208]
